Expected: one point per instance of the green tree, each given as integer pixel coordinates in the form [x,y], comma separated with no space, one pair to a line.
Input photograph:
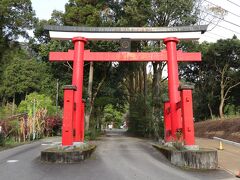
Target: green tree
[216,78]
[35,102]
[200,74]
[81,12]
[223,57]
[24,75]
[16,17]
[112,115]
[38,107]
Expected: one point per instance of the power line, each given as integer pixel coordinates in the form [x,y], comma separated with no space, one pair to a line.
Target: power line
[217,16]
[217,35]
[222,19]
[216,24]
[210,36]
[220,26]
[233,3]
[223,9]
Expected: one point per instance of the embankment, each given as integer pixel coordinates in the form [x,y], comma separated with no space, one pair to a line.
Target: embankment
[227,129]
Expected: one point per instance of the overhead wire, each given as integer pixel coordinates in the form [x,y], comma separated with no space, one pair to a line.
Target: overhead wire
[216,24]
[217,16]
[221,19]
[223,9]
[233,3]
[220,26]
[217,35]
[210,36]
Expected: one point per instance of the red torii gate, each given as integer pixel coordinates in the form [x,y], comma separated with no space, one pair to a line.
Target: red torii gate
[178,113]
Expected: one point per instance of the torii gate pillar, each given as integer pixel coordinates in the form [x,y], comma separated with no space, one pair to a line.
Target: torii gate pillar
[173,85]
[77,80]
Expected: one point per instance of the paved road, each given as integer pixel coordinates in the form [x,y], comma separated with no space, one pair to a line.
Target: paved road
[228,158]
[117,158]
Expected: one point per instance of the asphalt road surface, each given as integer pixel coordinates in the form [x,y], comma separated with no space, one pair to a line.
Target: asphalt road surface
[117,157]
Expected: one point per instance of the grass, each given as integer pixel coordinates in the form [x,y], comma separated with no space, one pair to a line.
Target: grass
[10,143]
[92,135]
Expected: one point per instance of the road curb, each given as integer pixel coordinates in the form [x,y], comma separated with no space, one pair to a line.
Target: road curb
[227,141]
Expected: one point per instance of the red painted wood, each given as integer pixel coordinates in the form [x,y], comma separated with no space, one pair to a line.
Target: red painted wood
[77,80]
[82,121]
[124,56]
[173,84]
[67,127]
[187,116]
[167,122]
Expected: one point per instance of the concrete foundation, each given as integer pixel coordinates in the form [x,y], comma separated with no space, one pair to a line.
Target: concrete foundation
[193,159]
[67,154]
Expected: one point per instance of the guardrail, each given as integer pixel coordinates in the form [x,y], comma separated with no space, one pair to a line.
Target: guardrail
[227,141]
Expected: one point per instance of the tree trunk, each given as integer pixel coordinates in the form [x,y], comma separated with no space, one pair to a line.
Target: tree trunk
[93,99]
[221,113]
[131,100]
[154,81]
[134,82]
[222,97]
[225,89]
[141,80]
[210,110]
[131,86]
[145,82]
[13,104]
[155,98]
[90,83]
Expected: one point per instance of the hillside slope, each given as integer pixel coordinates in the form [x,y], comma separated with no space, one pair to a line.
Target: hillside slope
[227,129]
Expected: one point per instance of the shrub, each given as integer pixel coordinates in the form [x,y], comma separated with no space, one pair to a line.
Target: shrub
[2,139]
[35,102]
[53,125]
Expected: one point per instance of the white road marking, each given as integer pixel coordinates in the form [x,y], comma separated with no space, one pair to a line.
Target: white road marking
[50,143]
[12,161]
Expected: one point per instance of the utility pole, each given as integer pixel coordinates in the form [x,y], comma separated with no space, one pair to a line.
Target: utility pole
[34,119]
[57,96]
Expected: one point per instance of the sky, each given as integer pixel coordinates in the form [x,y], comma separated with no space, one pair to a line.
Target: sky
[44,8]
[217,32]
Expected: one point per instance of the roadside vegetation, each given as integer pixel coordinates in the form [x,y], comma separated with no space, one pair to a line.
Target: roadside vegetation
[34,118]
[31,88]
[226,128]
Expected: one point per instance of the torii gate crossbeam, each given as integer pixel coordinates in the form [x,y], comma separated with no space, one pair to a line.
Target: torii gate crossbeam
[124,56]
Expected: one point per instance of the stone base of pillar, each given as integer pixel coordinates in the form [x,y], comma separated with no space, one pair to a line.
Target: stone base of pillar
[190,159]
[68,154]
[192,147]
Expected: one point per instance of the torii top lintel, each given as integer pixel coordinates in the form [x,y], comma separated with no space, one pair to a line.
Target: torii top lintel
[133,33]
